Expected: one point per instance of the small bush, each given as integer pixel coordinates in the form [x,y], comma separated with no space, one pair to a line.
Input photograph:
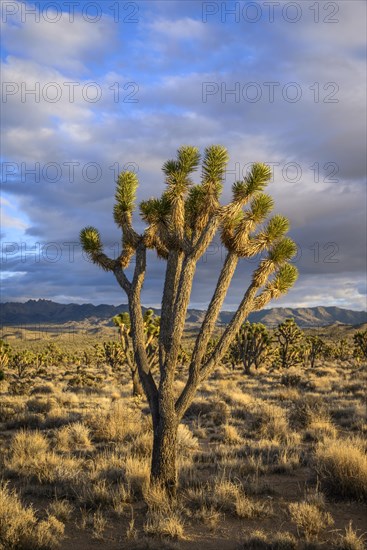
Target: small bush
[72,437]
[342,467]
[41,406]
[349,541]
[30,457]
[163,524]
[310,519]
[20,529]
[270,422]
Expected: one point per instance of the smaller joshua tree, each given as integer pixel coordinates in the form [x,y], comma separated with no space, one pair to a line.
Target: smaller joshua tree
[360,344]
[250,346]
[151,330]
[315,347]
[289,338]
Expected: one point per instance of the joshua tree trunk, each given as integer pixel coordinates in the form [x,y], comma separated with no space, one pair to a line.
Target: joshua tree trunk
[137,387]
[181,226]
[164,454]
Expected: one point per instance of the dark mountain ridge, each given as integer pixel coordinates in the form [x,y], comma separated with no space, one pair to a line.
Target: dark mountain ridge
[46,312]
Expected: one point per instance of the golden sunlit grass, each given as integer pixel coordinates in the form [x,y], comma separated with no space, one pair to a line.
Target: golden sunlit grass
[342,467]
[253,457]
[20,529]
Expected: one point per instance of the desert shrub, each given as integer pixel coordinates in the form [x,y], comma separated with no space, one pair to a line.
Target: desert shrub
[72,437]
[31,457]
[342,467]
[291,380]
[270,422]
[20,529]
[46,388]
[137,474]
[350,540]
[163,524]
[115,425]
[39,405]
[215,410]
[310,519]
[307,409]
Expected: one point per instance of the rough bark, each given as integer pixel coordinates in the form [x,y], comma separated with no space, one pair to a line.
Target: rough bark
[164,454]
[137,387]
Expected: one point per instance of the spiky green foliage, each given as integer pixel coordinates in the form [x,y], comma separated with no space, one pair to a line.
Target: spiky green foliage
[154,211]
[250,346]
[258,177]
[91,241]
[290,339]
[214,163]
[125,196]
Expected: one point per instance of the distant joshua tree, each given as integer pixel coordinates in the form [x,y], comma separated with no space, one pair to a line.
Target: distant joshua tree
[360,344]
[250,345]
[180,226]
[289,337]
[151,330]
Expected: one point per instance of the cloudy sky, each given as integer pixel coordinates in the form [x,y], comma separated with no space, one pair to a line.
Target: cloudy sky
[90,88]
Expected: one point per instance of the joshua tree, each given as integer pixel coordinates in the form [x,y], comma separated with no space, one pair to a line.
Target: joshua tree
[151,330]
[315,347]
[250,345]
[289,337]
[360,344]
[180,226]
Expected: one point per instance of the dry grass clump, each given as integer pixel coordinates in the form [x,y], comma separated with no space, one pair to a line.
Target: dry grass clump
[45,388]
[228,496]
[61,509]
[342,467]
[186,441]
[229,435]
[31,457]
[99,525]
[216,411]
[319,429]
[163,524]
[108,465]
[137,473]
[350,540]
[163,518]
[306,410]
[310,519]
[270,422]
[117,424]
[40,405]
[73,437]
[20,529]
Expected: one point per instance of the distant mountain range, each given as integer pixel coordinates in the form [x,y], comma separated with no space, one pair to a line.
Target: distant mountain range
[46,312]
